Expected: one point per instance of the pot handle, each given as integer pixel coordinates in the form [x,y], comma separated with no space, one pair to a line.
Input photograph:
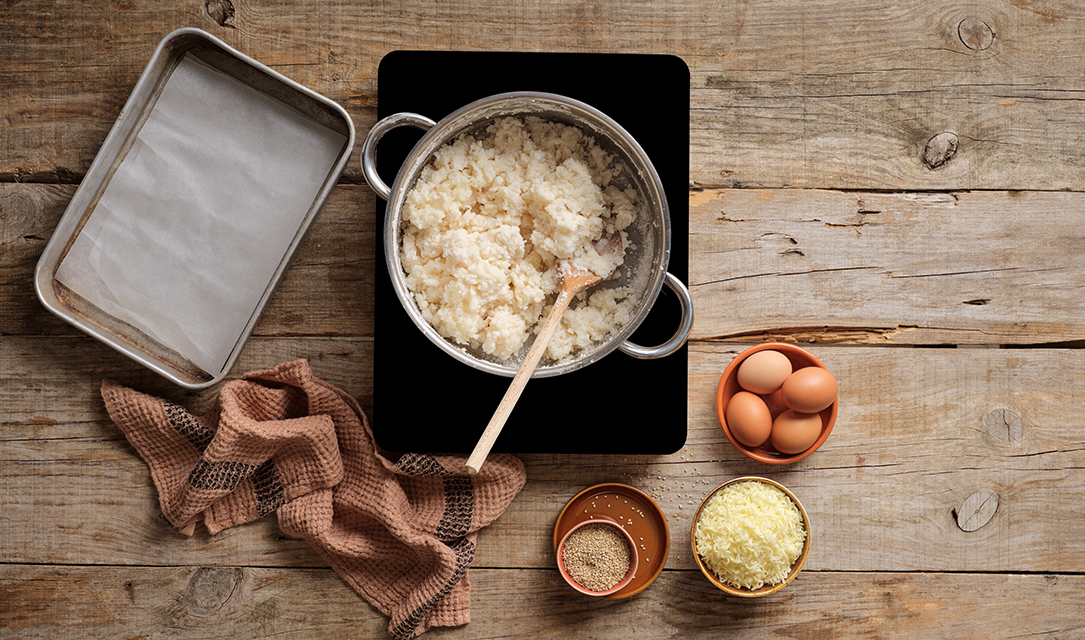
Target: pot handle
[369,147]
[679,338]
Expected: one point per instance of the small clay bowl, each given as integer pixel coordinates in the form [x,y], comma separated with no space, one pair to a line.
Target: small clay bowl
[765,590]
[728,386]
[633,559]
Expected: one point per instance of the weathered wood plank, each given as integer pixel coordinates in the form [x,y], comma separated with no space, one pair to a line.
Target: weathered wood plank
[823,94]
[66,468]
[848,95]
[887,268]
[808,265]
[244,602]
[873,175]
[328,289]
[73,88]
[920,432]
[181,602]
[28,216]
[46,382]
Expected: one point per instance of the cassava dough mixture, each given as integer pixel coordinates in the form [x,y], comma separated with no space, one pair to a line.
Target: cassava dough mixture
[490,219]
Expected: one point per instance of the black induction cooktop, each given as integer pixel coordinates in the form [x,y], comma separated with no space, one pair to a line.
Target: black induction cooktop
[425,400]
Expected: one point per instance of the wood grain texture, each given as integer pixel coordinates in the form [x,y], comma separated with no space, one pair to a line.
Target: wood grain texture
[328,289]
[919,432]
[887,268]
[812,266]
[260,602]
[819,94]
[885,183]
[847,95]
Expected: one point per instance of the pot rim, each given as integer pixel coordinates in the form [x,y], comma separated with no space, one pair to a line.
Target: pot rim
[593,122]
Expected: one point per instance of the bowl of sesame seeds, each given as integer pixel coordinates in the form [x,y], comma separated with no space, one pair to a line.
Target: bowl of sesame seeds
[597,557]
[636,512]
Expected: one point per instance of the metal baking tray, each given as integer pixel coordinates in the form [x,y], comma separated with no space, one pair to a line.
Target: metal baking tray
[311,117]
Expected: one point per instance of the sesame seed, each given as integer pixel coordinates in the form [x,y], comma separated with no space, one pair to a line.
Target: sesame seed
[596,557]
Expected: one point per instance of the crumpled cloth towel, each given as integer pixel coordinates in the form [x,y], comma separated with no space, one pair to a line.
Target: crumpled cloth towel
[402,533]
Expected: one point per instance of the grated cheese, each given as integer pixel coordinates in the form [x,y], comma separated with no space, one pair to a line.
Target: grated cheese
[749,534]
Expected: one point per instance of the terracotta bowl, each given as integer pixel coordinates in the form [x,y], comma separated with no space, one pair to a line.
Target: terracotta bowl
[633,559]
[728,386]
[741,592]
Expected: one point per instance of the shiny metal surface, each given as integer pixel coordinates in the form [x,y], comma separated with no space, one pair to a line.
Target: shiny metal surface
[121,336]
[646,264]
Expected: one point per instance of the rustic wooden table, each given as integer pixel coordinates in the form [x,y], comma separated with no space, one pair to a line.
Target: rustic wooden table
[896,186]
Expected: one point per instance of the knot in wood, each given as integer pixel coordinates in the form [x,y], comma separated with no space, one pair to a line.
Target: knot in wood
[976,510]
[221,11]
[975,34]
[1004,425]
[210,589]
[940,149]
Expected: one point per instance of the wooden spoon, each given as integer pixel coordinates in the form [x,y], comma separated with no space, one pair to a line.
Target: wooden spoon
[574,279]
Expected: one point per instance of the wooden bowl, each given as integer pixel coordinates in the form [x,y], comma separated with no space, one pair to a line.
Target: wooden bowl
[633,558]
[765,590]
[728,386]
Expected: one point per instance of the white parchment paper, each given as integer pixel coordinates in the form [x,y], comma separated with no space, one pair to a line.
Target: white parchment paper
[194,223]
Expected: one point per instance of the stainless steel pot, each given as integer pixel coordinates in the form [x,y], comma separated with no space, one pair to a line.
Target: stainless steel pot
[645,267]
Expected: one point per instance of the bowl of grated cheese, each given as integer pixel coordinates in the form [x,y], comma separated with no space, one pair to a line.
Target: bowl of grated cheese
[750,537]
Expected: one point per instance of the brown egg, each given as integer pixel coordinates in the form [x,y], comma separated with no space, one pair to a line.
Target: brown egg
[794,432]
[748,419]
[809,390]
[775,401]
[763,372]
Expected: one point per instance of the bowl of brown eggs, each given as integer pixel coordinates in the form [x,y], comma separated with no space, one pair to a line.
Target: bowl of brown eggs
[777,403]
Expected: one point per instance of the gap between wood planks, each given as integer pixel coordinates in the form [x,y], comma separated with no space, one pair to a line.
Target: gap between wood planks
[866,337]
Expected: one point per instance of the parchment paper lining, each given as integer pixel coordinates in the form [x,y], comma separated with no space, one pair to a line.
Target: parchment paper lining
[191,228]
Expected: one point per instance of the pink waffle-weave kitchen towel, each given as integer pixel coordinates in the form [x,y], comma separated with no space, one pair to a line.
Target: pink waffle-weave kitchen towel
[401,533]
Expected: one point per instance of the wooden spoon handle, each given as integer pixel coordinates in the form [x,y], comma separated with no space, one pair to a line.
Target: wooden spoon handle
[519,381]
